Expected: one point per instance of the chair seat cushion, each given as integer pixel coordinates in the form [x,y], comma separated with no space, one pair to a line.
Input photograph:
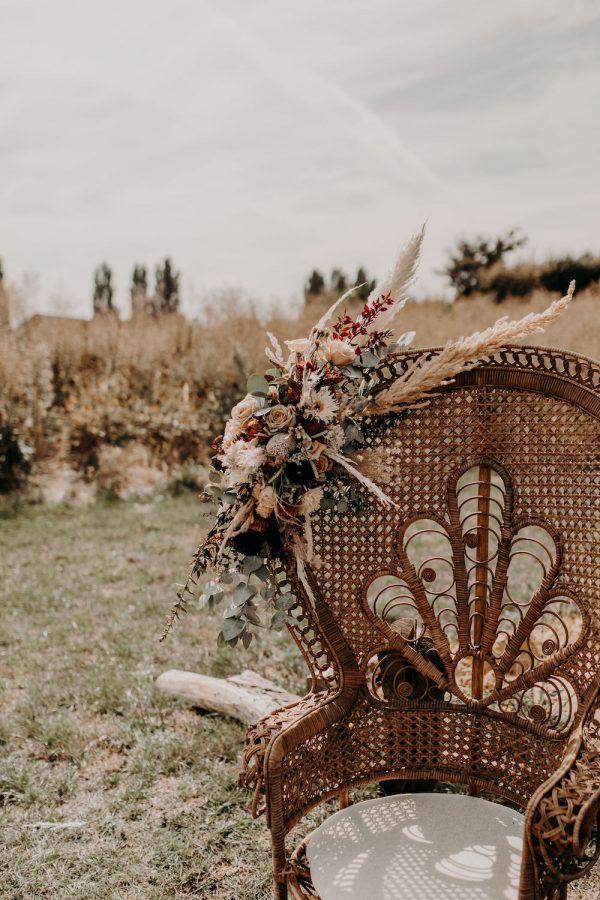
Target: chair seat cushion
[418,847]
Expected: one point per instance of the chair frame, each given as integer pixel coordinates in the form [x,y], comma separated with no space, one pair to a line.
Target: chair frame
[562,810]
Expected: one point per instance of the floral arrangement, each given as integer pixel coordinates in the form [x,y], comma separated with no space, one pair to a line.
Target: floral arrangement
[298,429]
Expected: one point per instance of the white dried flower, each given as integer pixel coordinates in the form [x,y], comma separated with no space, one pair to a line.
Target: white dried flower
[335,438]
[322,405]
[241,460]
[297,346]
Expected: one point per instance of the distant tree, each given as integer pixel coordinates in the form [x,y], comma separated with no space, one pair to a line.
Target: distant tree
[139,279]
[557,273]
[166,299]
[315,283]
[365,285]
[103,290]
[339,281]
[471,260]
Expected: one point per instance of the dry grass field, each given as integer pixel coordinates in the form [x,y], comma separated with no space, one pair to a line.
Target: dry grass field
[122,408]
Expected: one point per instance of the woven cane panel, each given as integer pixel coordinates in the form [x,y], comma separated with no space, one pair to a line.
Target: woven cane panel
[547,449]
[373,744]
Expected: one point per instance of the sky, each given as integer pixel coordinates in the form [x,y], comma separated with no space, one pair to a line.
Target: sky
[253,140]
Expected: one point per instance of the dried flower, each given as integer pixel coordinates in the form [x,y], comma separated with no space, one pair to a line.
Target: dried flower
[299,345]
[322,464]
[241,460]
[280,418]
[280,447]
[335,438]
[322,405]
[311,501]
[265,498]
[339,353]
[241,413]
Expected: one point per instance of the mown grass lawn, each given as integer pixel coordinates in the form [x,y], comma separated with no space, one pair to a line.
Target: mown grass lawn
[84,736]
[147,788]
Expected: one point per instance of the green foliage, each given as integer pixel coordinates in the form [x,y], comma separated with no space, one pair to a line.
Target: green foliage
[338,282]
[315,283]
[139,279]
[556,274]
[166,299]
[479,267]
[103,290]
[470,261]
[365,285]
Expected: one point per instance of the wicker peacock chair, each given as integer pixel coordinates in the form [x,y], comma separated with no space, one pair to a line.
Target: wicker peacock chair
[457,636]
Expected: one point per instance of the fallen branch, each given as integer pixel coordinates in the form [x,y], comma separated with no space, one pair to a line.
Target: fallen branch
[246,697]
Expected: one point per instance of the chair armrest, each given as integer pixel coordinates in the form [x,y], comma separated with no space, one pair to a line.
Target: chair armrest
[259,736]
[562,823]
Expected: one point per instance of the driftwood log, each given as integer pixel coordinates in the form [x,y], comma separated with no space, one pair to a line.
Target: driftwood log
[246,696]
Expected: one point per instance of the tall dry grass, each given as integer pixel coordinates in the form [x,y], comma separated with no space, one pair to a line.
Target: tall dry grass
[69,391]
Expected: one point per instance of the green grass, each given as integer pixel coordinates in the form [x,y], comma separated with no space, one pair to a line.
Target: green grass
[84,736]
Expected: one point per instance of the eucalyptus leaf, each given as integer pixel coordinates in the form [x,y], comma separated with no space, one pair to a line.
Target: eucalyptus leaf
[278,620]
[368,359]
[405,340]
[234,611]
[247,638]
[252,615]
[258,386]
[263,574]
[232,628]
[251,564]
[327,503]
[285,601]
[243,593]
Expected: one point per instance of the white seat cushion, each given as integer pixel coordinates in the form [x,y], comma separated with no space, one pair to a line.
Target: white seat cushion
[418,847]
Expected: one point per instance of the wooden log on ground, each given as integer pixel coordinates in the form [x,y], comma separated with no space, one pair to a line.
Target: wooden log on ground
[246,696]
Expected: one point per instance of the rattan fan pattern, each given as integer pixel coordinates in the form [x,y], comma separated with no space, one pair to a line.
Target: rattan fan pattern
[456,637]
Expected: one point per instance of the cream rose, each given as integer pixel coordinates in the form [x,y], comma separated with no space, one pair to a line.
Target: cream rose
[243,411]
[340,353]
[280,418]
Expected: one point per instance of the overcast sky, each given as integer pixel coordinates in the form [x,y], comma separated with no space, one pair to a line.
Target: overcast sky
[255,139]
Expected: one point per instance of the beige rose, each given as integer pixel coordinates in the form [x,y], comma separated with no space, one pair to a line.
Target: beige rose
[243,411]
[280,418]
[340,353]
[265,499]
